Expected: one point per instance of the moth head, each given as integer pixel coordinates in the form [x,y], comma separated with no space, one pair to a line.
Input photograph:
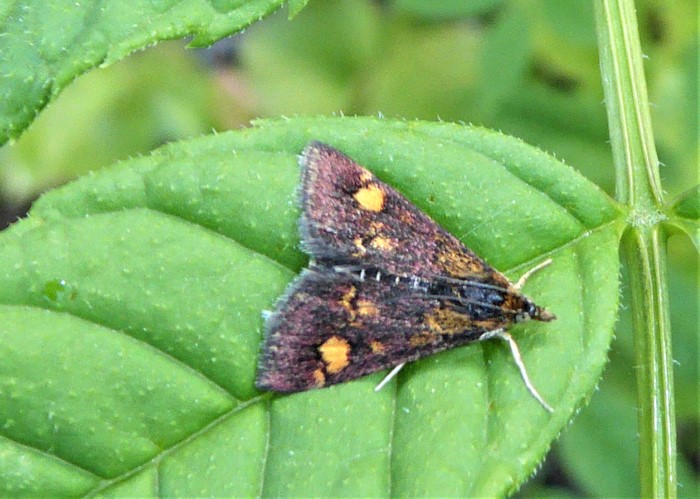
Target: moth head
[531,311]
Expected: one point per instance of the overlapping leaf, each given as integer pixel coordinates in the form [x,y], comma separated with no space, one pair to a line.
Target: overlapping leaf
[45,45]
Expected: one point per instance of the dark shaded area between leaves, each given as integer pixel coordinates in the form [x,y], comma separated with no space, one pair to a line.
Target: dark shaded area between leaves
[11,212]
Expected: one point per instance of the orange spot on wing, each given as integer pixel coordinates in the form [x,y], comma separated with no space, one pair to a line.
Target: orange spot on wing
[446,321]
[366,177]
[319,377]
[370,198]
[490,324]
[383,243]
[366,307]
[406,217]
[347,302]
[421,339]
[460,264]
[377,346]
[335,352]
[360,246]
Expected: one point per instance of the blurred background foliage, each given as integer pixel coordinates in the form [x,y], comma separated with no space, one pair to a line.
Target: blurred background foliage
[526,67]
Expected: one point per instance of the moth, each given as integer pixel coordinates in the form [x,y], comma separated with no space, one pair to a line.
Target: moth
[386,285]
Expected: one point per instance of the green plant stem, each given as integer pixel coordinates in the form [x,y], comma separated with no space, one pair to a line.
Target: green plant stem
[621,59]
[644,251]
[643,246]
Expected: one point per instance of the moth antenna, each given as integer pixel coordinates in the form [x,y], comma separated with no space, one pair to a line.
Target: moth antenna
[388,377]
[502,335]
[521,282]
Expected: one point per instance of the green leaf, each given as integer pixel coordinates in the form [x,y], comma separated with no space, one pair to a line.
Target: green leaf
[688,205]
[48,44]
[593,443]
[131,319]
[686,214]
[109,114]
[296,6]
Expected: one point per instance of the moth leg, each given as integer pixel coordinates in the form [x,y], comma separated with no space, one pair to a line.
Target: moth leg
[502,335]
[388,377]
[521,282]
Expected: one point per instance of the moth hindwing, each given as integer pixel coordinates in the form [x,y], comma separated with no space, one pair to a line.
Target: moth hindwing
[387,285]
